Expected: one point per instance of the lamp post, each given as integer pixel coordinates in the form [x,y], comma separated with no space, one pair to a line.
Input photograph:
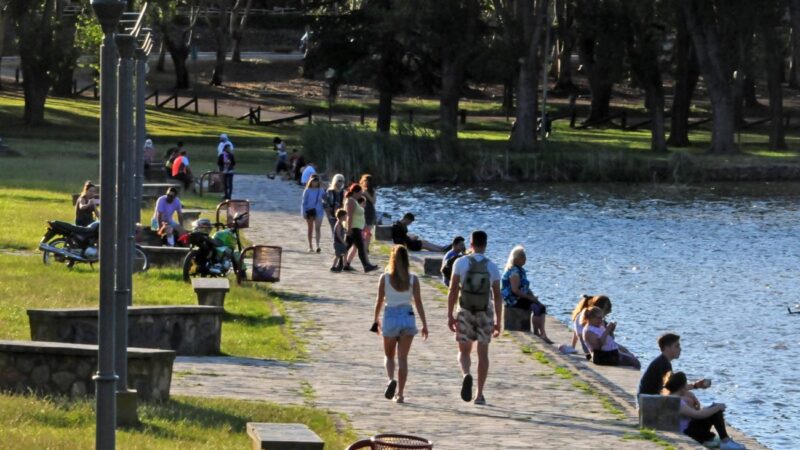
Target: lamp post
[126,400]
[141,131]
[738,80]
[108,13]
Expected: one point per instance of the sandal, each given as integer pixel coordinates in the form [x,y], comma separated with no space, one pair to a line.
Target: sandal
[399,399]
[390,388]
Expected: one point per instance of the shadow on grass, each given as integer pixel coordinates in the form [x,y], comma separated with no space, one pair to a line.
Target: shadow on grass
[254,320]
[178,411]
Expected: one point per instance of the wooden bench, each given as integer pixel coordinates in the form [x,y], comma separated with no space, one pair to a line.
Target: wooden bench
[516,319]
[54,368]
[283,436]
[165,256]
[211,291]
[660,412]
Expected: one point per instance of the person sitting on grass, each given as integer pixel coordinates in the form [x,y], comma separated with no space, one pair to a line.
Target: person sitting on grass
[696,421]
[599,338]
[516,290]
[401,236]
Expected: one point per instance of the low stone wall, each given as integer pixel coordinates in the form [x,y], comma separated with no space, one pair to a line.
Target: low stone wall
[159,256]
[188,330]
[50,368]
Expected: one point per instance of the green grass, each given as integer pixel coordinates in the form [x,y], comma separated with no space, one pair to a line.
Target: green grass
[180,423]
[254,323]
[650,436]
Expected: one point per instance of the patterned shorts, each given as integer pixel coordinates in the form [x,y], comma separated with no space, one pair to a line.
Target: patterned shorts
[475,326]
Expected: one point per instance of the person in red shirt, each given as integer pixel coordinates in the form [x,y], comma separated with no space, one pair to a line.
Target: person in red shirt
[181,170]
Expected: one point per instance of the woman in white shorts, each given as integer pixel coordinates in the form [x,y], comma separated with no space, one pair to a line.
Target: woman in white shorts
[396,289]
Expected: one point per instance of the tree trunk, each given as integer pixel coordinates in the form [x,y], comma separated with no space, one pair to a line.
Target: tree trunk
[3,27]
[773,57]
[385,112]
[601,88]
[794,10]
[523,136]
[221,37]
[452,76]
[565,45]
[655,105]
[162,57]
[179,53]
[508,95]
[35,85]
[716,74]
[237,48]
[686,75]
[749,91]
[67,58]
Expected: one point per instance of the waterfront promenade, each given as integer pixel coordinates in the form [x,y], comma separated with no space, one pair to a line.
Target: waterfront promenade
[530,404]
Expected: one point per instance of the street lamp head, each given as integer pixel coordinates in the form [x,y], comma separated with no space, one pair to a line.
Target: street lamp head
[108,13]
[126,45]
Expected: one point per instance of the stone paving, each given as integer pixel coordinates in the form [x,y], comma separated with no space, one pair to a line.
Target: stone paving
[528,404]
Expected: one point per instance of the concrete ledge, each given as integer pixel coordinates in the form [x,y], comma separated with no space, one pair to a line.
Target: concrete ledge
[283,436]
[188,330]
[432,265]
[50,368]
[211,291]
[160,256]
[660,412]
[383,232]
[158,189]
[516,319]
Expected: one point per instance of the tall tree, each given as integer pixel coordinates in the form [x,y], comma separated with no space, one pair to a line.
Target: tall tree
[177,32]
[686,75]
[532,16]
[601,29]
[451,28]
[646,32]
[565,43]
[794,15]
[239,15]
[703,20]
[769,16]
[37,31]
[220,24]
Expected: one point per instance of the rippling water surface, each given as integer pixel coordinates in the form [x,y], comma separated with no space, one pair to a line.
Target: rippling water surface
[716,263]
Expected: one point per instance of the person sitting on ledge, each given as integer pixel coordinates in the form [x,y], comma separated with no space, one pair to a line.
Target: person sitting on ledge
[401,236]
[696,421]
[516,290]
[457,249]
[586,302]
[653,378]
[599,338]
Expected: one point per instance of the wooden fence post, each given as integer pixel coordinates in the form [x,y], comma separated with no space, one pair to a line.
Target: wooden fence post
[16,75]
[624,120]
[463,114]
[573,115]
[196,106]
[157,103]
[215,106]
[175,101]
[362,116]
[410,116]
[310,115]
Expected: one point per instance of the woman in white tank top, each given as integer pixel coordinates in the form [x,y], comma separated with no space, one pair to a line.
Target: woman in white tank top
[397,288]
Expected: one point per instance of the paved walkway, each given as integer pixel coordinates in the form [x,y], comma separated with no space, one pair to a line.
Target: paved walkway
[529,406]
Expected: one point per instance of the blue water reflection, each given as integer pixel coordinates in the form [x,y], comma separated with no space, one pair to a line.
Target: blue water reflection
[716,263]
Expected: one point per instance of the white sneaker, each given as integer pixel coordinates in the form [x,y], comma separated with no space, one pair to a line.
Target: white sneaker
[730,444]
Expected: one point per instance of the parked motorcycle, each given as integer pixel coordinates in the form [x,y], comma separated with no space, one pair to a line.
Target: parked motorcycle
[64,242]
[213,255]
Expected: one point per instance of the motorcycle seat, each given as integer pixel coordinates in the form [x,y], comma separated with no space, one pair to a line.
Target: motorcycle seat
[72,228]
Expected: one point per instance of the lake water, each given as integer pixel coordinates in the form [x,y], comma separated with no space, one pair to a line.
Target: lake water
[719,264]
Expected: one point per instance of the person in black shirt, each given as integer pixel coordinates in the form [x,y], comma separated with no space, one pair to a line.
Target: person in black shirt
[653,379]
[400,236]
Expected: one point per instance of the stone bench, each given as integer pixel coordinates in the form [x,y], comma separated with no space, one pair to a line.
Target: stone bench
[432,265]
[147,200]
[50,368]
[146,236]
[211,291]
[189,216]
[383,232]
[159,256]
[516,319]
[283,436]
[187,330]
[156,172]
[660,412]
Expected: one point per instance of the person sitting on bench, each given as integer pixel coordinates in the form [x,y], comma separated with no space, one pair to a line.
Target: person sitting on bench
[414,243]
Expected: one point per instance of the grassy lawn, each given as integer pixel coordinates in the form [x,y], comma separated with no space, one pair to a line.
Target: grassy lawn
[181,423]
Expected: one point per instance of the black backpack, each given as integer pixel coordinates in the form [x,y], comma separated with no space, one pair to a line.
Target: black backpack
[447,268]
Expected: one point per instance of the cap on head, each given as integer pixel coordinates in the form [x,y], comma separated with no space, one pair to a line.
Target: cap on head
[223,137]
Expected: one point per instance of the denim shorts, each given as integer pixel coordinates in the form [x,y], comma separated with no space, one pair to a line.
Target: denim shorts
[398,321]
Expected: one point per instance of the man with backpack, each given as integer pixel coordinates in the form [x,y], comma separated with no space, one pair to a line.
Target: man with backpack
[474,281]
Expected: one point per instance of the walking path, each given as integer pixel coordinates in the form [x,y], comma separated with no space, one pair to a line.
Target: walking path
[528,404]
